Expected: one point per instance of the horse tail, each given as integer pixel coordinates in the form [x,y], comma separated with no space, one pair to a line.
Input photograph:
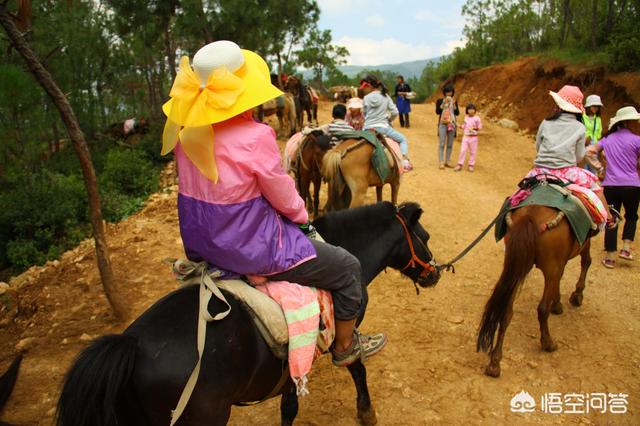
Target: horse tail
[331,171]
[518,260]
[8,381]
[96,388]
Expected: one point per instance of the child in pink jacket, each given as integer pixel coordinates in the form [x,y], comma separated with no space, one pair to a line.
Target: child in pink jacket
[471,126]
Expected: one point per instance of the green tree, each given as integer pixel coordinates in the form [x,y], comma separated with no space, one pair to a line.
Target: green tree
[318,54]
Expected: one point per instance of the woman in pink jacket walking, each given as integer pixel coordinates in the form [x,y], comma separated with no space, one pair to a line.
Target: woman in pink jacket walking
[238,209]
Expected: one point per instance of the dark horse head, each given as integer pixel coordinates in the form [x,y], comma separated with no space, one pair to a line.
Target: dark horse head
[399,227]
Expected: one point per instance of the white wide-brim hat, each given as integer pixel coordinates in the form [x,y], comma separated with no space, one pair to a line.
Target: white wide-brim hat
[593,100]
[627,113]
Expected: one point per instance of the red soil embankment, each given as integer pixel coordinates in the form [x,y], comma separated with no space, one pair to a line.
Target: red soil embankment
[519,90]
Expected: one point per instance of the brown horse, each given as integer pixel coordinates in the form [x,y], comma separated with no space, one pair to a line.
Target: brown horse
[349,172]
[527,246]
[304,100]
[284,109]
[307,167]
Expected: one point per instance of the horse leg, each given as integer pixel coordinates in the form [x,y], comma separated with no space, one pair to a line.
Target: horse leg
[317,182]
[366,412]
[551,293]
[305,182]
[493,368]
[585,262]
[395,186]
[358,187]
[379,193]
[288,406]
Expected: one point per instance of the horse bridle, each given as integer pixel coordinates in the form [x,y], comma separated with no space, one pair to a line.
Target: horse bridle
[428,267]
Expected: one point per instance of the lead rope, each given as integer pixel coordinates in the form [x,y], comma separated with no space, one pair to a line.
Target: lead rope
[449,265]
[197,273]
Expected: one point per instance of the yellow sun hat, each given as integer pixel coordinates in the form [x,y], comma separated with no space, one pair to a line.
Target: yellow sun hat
[225,81]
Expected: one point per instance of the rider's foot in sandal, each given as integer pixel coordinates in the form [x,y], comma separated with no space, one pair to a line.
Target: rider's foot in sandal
[362,347]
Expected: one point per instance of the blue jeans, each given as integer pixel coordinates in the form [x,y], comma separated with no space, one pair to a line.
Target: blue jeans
[396,136]
[446,138]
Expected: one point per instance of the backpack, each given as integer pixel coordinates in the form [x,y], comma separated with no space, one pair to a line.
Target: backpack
[445,117]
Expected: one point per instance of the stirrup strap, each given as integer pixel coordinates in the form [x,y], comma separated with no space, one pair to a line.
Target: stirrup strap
[197,273]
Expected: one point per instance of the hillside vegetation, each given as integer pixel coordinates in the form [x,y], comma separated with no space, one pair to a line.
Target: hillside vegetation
[593,32]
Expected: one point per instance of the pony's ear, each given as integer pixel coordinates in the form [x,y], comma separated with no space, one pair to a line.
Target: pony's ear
[411,212]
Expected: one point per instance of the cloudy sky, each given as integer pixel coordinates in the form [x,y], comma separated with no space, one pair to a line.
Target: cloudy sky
[391,31]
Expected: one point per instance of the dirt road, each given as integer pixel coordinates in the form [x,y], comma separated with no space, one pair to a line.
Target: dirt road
[430,372]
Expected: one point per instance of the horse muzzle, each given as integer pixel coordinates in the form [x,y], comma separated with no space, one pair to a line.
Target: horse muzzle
[429,277]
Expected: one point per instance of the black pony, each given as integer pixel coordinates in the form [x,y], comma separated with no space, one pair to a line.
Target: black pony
[136,378]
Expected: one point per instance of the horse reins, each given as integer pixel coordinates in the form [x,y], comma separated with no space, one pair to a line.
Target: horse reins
[428,267]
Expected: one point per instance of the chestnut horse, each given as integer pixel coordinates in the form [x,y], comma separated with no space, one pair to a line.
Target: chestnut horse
[526,246]
[348,170]
[307,167]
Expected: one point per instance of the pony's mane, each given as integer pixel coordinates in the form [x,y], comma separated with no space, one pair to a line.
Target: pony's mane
[369,216]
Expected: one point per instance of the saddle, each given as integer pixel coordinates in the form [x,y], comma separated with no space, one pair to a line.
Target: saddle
[551,192]
[379,159]
[266,313]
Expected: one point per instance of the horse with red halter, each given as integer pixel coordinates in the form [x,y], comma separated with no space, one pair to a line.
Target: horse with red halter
[541,236]
[135,378]
[306,101]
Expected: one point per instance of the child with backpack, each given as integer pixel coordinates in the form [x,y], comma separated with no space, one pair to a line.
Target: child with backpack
[472,124]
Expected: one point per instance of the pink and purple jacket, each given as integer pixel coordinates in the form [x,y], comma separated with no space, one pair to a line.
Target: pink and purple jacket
[246,223]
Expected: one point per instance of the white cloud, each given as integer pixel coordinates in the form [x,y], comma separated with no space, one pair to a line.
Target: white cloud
[367,51]
[450,45]
[375,21]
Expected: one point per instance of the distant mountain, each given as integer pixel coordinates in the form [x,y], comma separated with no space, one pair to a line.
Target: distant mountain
[406,69]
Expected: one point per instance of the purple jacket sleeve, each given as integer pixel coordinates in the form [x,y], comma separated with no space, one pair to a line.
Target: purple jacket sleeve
[275,185]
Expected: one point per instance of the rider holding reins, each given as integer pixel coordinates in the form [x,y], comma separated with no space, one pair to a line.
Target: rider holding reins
[238,209]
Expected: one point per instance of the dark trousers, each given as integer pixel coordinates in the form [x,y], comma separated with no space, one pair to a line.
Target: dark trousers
[627,197]
[404,120]
[336,270]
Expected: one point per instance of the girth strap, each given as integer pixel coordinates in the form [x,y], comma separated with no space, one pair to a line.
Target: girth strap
[197,273]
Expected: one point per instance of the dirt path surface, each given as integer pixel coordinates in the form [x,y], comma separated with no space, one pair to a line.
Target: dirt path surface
[429,373]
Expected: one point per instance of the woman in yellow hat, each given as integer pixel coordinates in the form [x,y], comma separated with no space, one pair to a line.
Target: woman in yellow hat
[238,209]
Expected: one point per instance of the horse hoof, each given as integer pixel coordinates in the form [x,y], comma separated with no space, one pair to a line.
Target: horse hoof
[492,371]
[556,308]
[368,417]
[549,347]
[576,299]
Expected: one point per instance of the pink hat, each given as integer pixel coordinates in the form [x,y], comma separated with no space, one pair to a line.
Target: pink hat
[569,99]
